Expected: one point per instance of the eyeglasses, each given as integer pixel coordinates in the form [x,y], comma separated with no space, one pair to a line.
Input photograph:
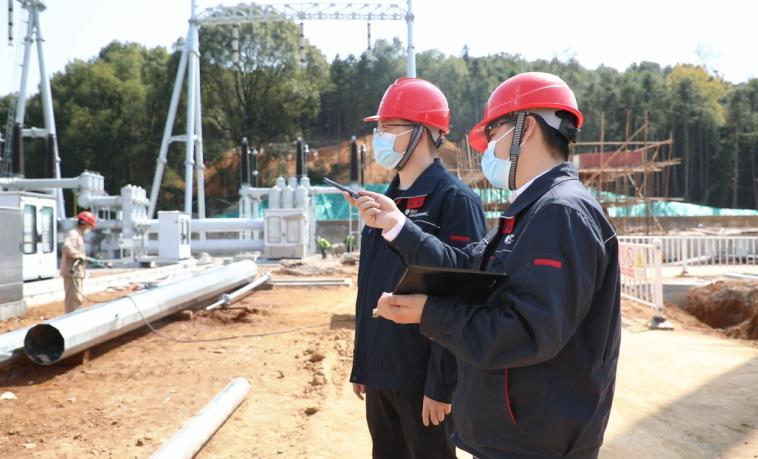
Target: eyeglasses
[494,125]
[379,130]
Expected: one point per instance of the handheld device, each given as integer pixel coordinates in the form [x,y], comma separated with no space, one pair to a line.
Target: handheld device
[347,190]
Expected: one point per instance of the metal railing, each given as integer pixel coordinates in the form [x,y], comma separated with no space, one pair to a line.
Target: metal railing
[702,250]
[640,266]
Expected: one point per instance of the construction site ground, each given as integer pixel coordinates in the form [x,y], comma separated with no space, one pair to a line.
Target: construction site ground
[687,393]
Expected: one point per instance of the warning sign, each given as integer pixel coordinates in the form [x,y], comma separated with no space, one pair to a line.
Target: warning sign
[632,261]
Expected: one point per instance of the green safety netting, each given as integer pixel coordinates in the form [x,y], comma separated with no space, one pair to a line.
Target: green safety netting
[334,207]
[675,209]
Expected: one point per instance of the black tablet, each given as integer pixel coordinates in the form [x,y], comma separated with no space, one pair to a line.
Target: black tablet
[467,285]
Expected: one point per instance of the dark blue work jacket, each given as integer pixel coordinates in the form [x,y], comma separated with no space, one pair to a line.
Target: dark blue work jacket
[398,357]
[537,360]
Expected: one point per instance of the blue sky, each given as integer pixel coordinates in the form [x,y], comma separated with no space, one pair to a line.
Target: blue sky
[595,32]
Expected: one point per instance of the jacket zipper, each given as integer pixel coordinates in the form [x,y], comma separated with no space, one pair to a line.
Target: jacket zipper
[507,391]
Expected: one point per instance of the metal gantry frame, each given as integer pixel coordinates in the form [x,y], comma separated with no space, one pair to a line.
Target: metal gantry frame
[189,65]
[33,35]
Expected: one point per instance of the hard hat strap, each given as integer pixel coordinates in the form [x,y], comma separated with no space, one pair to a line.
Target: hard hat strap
[416,134]
[515,150]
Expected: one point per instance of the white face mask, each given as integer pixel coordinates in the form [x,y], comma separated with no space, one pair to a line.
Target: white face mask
[495,169]
[384,148]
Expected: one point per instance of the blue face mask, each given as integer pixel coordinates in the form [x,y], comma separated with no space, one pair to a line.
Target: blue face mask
[495,169]
[384,148]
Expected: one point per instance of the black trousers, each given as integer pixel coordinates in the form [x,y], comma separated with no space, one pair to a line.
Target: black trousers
[394,421]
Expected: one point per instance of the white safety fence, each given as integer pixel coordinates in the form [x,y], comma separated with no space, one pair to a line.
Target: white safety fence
[640,266]
[702,250]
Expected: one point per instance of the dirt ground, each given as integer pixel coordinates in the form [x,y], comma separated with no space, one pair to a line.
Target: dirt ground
[687,393]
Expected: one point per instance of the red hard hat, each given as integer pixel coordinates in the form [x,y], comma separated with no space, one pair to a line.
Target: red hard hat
[414,99]
[530,90]
[87,217]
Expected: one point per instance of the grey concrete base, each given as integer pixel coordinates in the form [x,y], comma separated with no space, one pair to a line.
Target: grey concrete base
[12,309]
[676,290]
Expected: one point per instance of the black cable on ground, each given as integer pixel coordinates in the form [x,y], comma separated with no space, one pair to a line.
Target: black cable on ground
[223,338]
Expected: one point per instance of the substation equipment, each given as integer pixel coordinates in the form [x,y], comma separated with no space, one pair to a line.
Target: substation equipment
[279,221]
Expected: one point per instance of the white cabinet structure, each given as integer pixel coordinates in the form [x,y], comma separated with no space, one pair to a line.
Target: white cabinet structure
[174,235]
[285,233]
[38,229]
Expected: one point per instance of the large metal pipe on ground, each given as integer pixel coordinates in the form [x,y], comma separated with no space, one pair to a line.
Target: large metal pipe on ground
[56,339]
[226,299]
[200,428]
[12,344]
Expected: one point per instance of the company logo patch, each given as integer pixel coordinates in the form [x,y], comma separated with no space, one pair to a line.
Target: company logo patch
[415,202]
[508,224]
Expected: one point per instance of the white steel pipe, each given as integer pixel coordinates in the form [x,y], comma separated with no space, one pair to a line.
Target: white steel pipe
[12,344]
[196,432]
[411,59]
[87,200]
[56,339]
[167,130]
[226,224]
[40,183]
[47,106]
[323,190]
[28,40]
[216,224]
[217,245]
[189,163]
[226,245]
[226,299]
[199,160]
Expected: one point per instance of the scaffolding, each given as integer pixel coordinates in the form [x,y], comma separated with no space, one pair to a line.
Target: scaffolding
[634,171]
[620,174]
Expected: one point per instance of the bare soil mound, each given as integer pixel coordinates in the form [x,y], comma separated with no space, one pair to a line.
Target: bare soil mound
[728,305]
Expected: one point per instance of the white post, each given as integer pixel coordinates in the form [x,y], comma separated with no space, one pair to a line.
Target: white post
[47,110]
[21,101]
[685,254]
[199,160]
[161,162]
[658,283]
[411,70]
[189,162]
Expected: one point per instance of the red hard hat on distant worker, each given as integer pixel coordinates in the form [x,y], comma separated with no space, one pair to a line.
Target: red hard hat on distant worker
[86,217]
[414,99]
[523,92]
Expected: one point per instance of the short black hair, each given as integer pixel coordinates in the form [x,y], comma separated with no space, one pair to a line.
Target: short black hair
[556,142]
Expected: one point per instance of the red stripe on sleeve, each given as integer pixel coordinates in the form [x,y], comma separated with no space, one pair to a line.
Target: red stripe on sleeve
[547,262]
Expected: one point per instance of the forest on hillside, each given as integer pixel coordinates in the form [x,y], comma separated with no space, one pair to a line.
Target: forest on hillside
[110,110]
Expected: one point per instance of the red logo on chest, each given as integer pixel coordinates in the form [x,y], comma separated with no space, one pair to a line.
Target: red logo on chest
[415,202]
[508,224]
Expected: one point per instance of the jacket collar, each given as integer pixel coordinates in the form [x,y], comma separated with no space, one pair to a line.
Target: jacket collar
[543,184]
[424,184]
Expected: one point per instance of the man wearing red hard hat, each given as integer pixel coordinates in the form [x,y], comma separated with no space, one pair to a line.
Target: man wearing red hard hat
[408,380]
[536,360]
[73,261]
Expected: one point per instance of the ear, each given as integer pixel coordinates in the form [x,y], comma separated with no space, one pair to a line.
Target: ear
[530,128]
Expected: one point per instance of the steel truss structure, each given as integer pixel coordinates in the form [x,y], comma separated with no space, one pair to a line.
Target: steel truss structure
[189,66]
[14,128]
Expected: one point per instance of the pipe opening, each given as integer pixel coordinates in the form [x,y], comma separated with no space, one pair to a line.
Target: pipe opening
[43,344]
